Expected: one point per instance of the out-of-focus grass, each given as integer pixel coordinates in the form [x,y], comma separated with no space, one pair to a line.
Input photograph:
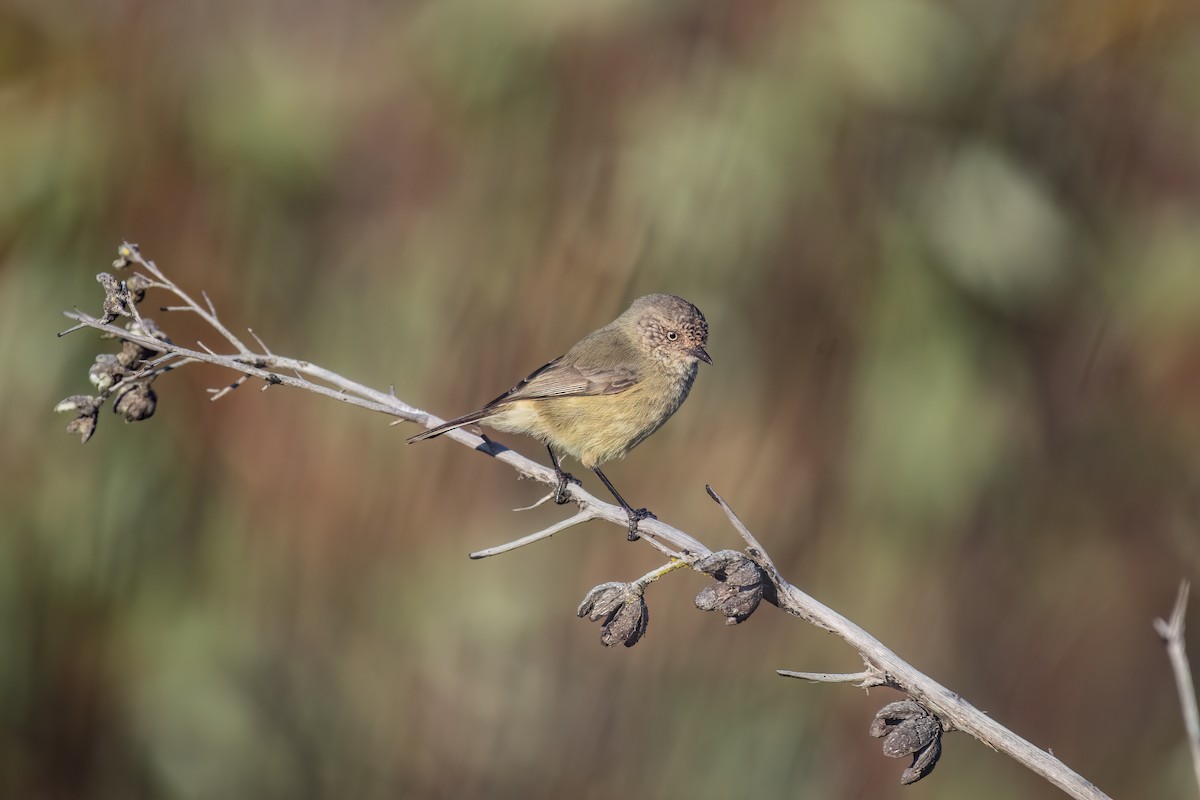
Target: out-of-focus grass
[948,254]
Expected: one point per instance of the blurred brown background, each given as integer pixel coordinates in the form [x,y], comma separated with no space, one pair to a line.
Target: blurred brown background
[950,256]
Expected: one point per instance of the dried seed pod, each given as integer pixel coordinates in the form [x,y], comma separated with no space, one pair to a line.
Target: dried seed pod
[133,353]
[908,728]
[622,611]
[135,402]
[105,371]
[148,327]
[137,285]
[896,712]
[924,761]
[125,255]
[117,300]
[77,403]
[602,600]
[910,735]
[84,426]
[85,408]
[628,625]
[741,585]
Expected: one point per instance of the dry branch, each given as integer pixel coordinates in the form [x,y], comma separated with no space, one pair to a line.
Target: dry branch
[743,584]
[1172,636]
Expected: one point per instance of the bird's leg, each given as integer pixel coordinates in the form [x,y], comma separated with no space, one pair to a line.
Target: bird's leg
[636,515]
[560,494]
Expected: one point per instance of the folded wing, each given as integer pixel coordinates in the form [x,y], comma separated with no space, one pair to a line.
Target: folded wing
[562,379]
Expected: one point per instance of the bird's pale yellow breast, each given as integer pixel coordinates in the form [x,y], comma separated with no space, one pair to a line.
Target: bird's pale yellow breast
[597,429]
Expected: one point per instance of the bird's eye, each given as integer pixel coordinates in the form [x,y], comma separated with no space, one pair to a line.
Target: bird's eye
[672,335]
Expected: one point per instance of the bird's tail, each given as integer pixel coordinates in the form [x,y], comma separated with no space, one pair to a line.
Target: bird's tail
[465,419]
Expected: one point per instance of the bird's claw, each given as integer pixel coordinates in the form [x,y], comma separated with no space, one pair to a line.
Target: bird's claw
[636,516]
[564,479]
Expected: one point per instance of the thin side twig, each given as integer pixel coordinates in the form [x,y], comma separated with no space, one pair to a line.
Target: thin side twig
[540,501]
[666,569]
[558,527]
[217,394]
[134,254]
[1172,636]
[261,343]
[865,679]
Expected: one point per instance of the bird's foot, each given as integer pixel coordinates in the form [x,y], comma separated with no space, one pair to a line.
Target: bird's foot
[564,479]
[636,515]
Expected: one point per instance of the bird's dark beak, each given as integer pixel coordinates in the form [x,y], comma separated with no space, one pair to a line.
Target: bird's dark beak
[702,354]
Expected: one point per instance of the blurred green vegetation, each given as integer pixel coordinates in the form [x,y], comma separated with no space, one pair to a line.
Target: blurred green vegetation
[950,256]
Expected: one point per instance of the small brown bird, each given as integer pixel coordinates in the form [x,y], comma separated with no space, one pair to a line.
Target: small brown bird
[610,391]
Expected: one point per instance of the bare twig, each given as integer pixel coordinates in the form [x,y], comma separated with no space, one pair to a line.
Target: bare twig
[217,394]
[738,525]
[864,680]
[1172,636]
[209,315]
[666,569]
[266,349]
[541,500]
[558,527]
[882,665]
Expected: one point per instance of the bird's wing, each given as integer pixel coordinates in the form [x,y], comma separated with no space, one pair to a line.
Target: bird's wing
[560,378]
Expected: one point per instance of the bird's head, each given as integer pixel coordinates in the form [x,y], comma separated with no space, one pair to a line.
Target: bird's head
[672,330]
